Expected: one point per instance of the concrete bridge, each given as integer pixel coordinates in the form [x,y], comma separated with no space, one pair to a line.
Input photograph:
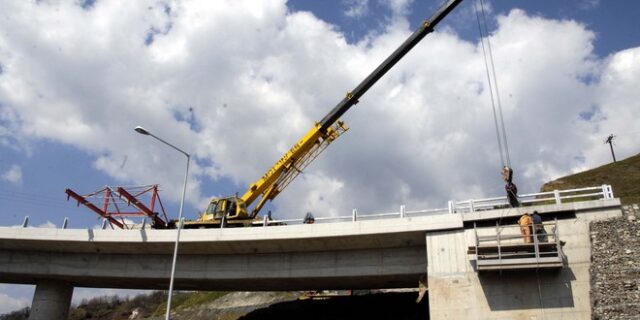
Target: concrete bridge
[364,254]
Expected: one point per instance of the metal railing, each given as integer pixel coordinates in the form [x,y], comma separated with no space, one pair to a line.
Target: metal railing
[499,245]
[474,205]
[453,207]
[540,198]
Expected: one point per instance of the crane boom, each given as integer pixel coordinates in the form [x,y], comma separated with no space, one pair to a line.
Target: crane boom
[353,96]
[233,209]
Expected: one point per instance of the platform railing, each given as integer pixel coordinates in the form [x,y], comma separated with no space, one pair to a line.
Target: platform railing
[511,243]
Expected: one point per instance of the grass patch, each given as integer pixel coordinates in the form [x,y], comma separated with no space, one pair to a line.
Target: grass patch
[623,176]
[185,300]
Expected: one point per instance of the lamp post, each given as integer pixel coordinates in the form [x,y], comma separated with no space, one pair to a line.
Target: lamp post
[143,131]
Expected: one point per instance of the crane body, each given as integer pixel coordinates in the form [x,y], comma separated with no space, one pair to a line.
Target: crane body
[234,210]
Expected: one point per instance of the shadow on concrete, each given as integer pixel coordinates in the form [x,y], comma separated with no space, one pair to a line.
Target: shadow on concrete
[528,289]
[143,235]
[381,306]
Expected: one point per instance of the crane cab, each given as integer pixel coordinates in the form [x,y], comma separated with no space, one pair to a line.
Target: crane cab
[229,211]
[230,208]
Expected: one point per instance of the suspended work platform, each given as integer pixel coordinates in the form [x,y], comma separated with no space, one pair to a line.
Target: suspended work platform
[506,248]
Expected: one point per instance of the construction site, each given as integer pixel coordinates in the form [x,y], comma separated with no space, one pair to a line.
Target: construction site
[564,252]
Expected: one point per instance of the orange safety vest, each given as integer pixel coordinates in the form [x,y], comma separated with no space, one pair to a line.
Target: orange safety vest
[525,220]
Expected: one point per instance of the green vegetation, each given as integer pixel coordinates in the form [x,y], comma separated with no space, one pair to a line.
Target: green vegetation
[115,307]
[16,315]
[623,176]
[186,300]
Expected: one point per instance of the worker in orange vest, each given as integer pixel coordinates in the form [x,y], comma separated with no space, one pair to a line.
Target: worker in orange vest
[525,227]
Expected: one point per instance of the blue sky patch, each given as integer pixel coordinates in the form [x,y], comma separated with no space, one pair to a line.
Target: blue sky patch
[186,114]
[87,4]
[589,114]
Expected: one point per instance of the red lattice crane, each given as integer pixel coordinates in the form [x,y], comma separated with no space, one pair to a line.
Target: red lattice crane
[115,199]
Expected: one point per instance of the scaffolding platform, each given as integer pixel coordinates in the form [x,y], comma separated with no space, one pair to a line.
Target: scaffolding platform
[504,248]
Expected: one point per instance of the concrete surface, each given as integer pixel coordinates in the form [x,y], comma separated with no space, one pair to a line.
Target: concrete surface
[457,291]
[385,253]
[51,300]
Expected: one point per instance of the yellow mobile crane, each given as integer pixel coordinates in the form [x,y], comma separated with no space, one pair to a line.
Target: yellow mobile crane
[234,210]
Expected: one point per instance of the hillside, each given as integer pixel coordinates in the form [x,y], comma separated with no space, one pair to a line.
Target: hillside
[246,306]
[623,176]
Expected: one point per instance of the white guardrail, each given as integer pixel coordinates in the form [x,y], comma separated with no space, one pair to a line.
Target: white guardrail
[467,206]
[474,205]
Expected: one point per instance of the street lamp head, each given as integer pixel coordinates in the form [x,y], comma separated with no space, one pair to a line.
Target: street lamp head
[141,130]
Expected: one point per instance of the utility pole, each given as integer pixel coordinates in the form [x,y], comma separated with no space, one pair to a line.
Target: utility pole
[610,142]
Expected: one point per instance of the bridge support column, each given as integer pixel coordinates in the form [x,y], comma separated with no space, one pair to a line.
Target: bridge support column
[51,300]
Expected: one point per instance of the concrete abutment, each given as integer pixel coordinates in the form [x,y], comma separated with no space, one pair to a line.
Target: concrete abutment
[458,291]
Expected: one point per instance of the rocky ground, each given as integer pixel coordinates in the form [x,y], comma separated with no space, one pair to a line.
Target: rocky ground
[615,266]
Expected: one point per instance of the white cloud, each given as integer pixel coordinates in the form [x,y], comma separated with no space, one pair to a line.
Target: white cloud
[356,8]
[399,7]
[47,224]
[13,175]
[236,83]
[588,4]
[12,297]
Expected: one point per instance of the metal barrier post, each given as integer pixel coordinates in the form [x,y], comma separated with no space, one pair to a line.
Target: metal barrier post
[535,242]
[499,243]
[556,194]
[451,206]
[25,223]
[354,215]
[471,208]
[607,192]
[556,233]
[402,211]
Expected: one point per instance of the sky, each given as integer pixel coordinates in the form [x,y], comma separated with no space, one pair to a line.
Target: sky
[237,83]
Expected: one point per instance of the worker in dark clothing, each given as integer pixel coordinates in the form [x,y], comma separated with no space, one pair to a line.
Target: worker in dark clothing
[309,219]
[510,187]
[539,227]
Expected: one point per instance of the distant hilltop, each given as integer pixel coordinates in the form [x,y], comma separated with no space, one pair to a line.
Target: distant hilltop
[623,176]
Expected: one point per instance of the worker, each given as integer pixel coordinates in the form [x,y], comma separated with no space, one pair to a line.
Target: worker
[309,219]
[541,233]
[525,227]
[510,187]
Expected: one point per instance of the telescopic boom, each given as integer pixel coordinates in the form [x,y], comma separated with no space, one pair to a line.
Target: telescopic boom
[353,96]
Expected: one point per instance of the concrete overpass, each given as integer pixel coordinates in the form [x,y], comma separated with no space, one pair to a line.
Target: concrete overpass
[362,254]
[385,253]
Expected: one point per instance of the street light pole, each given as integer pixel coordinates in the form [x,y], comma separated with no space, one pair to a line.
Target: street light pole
[143,131]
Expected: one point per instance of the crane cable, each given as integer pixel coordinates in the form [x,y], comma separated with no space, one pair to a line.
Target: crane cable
[501,133]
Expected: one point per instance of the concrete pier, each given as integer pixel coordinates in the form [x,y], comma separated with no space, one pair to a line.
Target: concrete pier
[51,300]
